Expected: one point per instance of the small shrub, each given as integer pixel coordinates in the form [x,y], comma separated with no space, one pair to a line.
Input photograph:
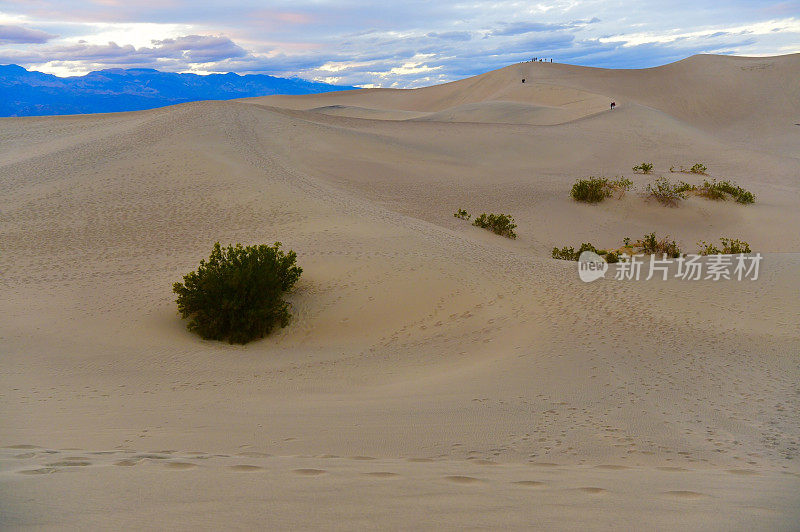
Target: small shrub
[733,246]
[644,168]
[237,295]
[592,190]
[596,189]
[711,190]
[501,224]
[666,192]
[708,249]
[569,253]
[683,186]
[462,214]
[698,168]
[565,253]
[621,185]
[718,189]
[730,246]
[651,245]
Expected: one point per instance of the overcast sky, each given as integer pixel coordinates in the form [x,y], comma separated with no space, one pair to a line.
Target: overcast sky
[387,44]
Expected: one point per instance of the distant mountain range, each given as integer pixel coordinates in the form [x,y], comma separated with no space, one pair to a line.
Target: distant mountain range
[29,93]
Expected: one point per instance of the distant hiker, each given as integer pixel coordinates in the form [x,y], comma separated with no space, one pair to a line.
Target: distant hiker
[551,59]
[523,80]
[613,104]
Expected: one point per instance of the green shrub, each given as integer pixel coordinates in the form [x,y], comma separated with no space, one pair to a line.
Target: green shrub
[592,190]
[730,246]
[666,192]
[644,168]
[651,245]
[621,184]
[683,186]
[717,189]
[237,294]
[565,253]
[501,224]
[569,253]
[461,213]
[596,189]
[698,168]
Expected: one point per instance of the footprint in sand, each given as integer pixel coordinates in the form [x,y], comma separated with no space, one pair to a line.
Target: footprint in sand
[40,471]
[72,461]
[25,455]
[482,461]
[127,462]
[684,494]
[245,468]
[591,490]
[461,479]
[310,472]
[253,454]
[529,483]
[180,465]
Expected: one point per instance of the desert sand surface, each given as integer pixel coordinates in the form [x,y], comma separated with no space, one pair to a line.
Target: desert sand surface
[434,375]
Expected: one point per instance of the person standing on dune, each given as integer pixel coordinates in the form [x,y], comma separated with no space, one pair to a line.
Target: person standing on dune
[613,104]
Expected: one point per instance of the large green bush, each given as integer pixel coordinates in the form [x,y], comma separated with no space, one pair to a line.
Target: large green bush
[237,295]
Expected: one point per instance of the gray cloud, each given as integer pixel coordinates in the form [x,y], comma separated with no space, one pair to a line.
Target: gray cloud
[23,35]
[451,35]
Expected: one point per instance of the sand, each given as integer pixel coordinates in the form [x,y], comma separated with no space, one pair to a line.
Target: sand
[434,375]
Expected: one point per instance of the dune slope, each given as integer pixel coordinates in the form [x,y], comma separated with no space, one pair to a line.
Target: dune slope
[434,375]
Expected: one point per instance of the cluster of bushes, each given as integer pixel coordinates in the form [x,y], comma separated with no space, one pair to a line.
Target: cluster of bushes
[668,193]
[718,189]
[501,224]
[649,244]
[596,189]
[730,246]
[696,168]
[237,295]
[644,168]
[569,253]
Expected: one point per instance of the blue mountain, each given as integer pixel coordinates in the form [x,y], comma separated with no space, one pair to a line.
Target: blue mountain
[30,93]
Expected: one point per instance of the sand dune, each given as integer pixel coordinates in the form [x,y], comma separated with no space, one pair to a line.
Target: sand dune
[434,375]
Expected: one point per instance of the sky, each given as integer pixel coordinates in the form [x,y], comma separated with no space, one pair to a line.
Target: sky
[383,44]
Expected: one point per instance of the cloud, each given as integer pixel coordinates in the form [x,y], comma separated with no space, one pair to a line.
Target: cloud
[399,44]
[23,35]
[519,28]
[197,48]
[451,35]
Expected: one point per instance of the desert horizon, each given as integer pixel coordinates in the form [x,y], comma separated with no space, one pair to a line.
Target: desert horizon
[433,374]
